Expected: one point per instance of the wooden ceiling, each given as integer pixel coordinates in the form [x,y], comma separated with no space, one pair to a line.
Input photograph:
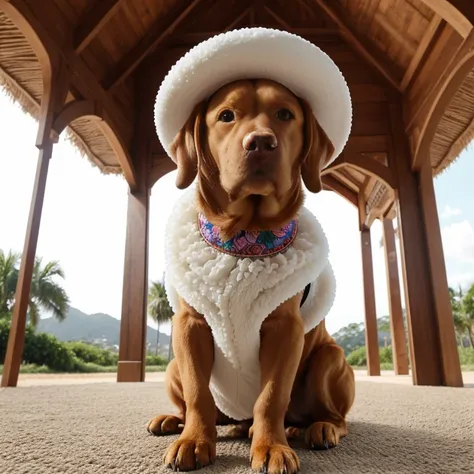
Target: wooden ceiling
[119,51]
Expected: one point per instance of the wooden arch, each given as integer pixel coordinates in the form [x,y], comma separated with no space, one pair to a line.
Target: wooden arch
[442,101]
[94,110]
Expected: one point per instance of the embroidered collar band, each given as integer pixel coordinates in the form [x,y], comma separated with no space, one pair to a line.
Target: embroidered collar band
[249,244]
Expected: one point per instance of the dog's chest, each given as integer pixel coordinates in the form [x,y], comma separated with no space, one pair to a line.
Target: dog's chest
[235,295]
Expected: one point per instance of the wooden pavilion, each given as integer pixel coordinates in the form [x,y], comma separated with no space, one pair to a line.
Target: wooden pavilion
[93,67]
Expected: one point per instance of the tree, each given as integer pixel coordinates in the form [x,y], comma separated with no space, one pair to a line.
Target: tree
[463,313]
[8,280]
[468,310]
[159,308]
[45,294]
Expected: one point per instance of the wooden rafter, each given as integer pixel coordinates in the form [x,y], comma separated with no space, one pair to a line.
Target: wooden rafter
[421,50]
[458,13]
[94,20]
[369,52]
[335,185]
[159,31]
[277,18]
[365,164]
[188,39]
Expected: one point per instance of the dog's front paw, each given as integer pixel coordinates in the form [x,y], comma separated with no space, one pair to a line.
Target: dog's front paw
[324,435]
[165,425]
[274,459]
[189,454]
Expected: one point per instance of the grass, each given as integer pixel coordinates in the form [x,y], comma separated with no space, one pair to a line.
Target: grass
[86,369]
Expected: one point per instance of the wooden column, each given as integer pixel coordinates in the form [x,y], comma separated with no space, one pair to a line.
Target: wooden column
[371,331]
[133,326]
[449,356]
[55,85]
[433,352]
[397,329]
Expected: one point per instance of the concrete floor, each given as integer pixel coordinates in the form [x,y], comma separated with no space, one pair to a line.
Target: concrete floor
[30,380]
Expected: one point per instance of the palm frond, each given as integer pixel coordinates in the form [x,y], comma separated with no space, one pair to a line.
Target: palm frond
[159,308]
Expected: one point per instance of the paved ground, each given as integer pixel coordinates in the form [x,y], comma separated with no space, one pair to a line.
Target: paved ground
[30,380]
[88,424]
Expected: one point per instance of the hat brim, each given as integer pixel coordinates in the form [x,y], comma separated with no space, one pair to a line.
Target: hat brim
[255,53]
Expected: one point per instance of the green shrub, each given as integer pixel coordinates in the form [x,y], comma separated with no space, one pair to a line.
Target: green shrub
[46,349]
[386,355]
[4,331]
[466,355]
[92,354]
[357,357]
[155,360]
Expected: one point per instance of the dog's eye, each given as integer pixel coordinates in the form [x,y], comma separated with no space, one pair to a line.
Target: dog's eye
[285,115]
[226,116]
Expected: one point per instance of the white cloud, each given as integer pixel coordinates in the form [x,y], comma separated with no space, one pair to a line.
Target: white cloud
[458,241]
[449,211]
[464,279]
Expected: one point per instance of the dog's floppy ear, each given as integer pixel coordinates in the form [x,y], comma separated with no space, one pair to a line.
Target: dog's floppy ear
[317,150]
[186,147]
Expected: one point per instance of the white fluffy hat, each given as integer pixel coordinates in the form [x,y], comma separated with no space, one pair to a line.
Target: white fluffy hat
[255,53]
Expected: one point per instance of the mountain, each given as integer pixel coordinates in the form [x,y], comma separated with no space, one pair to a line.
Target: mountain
[97,328]
[353,336]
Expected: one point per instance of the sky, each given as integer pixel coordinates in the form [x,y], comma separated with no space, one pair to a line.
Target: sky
[84,224]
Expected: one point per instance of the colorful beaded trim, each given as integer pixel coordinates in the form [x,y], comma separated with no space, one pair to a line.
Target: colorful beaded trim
[249,244]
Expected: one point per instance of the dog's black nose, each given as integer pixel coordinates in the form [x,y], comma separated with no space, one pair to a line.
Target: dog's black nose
[260,141]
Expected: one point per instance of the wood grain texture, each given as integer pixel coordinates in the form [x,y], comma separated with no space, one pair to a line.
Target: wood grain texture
[397,328]
[371,331]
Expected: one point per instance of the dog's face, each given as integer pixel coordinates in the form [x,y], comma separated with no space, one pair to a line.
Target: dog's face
[250,144]
[255,134]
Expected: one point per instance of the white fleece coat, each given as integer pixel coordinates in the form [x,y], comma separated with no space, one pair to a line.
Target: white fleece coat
[235,295]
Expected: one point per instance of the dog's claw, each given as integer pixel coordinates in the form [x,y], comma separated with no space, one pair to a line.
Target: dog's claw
[325,440]
[198,464]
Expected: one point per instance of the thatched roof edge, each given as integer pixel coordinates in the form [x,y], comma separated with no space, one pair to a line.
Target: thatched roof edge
[31,107]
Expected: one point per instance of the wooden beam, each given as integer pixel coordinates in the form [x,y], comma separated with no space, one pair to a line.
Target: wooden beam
[397,328]
[133,323]
[191,39]
[374,57]
[55,89]
[159,31]
[458,13]
[279,20]
[428,354]
[405,41]
[362,208]
[451,368]
[72,111]
[371,330]
[421,50]
[94,20]
[334,185]
[366,164]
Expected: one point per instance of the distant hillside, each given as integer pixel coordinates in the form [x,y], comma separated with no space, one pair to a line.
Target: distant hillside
[98,328]
[352,336]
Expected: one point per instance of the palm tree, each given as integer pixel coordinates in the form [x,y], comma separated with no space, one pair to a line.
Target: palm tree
[45,294]
[8,279]
[468,310]
[459,320]
[159,308]
[463,313]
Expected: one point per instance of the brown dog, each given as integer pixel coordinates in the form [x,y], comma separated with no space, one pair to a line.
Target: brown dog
[249,146]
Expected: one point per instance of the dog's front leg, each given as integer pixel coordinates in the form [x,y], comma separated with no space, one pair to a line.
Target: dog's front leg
[281,346]
[194,352]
